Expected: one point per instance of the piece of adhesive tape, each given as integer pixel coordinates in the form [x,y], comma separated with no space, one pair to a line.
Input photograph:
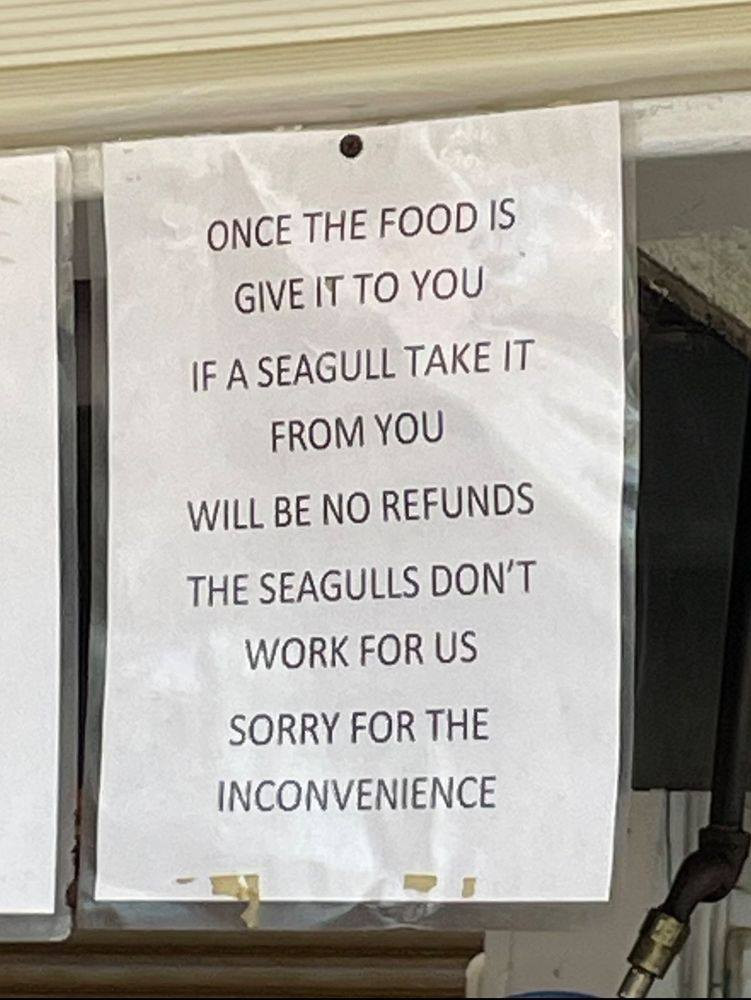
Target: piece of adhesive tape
[420,883]
[245,888]
[469,885]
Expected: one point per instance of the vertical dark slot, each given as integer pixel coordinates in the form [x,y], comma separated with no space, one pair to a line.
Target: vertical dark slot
[83,437]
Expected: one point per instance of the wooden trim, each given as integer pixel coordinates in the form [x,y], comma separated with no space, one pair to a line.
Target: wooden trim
[401,73]
[341,964]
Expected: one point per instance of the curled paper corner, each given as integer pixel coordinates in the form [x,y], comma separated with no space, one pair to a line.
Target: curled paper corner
[469,885]
[246,889]
[420,883]
[185,880]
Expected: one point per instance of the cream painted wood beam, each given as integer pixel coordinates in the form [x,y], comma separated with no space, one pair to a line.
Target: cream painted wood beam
[86,70]
[51,31]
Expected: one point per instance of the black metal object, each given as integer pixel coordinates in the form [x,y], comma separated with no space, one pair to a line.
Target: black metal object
[732,752]
[709,873]
[692,403]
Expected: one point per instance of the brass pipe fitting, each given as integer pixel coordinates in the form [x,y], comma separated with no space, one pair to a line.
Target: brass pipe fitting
[660,940]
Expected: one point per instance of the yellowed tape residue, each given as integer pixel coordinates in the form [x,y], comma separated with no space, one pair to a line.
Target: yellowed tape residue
[469,885]
[246,888]
[420,883]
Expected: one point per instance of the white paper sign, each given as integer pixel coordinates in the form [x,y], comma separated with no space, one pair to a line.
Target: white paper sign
[29,533]
[365,487]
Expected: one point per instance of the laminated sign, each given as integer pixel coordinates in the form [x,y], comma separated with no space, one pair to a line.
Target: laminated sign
[365,470]
[30,634]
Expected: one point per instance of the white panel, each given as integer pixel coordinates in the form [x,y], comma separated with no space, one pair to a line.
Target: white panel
[29,533]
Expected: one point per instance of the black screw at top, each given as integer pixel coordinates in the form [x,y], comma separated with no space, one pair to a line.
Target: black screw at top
[350,145]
